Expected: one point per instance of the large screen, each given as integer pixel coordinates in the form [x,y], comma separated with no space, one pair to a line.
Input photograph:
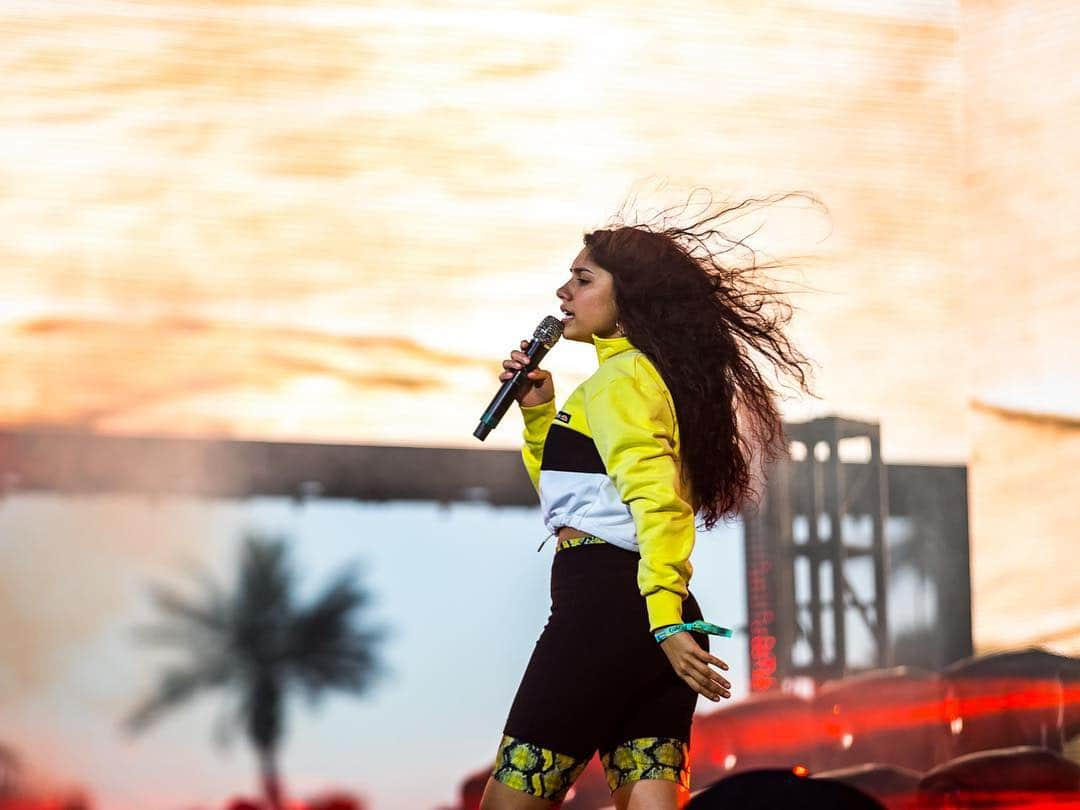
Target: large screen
[331,222]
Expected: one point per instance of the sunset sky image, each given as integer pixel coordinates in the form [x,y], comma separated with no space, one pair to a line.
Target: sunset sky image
[329,222]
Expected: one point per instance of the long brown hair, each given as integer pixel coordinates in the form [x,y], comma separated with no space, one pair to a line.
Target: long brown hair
[703,323]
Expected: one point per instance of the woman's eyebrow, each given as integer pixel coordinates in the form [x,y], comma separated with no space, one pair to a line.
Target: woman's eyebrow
[581,270]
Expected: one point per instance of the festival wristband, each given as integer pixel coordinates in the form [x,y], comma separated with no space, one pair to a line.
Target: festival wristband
[700,625]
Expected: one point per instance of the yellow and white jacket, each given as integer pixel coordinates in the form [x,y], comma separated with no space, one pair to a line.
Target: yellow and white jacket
[607,463]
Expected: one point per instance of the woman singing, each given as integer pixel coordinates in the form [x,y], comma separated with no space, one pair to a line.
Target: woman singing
[665,428]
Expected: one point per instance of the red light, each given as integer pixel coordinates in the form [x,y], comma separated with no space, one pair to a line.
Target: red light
[800,770]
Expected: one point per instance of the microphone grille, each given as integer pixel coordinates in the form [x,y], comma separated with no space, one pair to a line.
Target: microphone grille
[549,330]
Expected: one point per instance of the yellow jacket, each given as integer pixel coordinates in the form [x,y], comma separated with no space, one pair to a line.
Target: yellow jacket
[607,463]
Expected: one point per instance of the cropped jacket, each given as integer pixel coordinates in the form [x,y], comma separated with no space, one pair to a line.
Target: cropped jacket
[607,462]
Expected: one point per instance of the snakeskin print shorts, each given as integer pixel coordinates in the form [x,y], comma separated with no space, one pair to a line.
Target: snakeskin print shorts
[597,681]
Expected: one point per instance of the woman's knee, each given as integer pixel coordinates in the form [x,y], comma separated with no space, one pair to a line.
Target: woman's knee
[651,794]
[498,796]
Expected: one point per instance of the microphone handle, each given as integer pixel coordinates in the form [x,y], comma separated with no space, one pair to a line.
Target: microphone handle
[536,351]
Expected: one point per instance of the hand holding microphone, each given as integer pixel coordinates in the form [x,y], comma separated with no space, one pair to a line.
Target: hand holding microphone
[522,380]
[541,388]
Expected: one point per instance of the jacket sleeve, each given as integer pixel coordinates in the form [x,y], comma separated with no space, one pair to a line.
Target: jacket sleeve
[538,419]
[632,425]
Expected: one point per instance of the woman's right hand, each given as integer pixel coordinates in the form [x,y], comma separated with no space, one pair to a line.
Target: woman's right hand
[539,389]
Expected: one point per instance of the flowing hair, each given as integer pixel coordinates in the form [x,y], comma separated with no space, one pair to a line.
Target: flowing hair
[704,324]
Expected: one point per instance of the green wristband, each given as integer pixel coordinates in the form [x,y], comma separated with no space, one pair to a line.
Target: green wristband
[700,625]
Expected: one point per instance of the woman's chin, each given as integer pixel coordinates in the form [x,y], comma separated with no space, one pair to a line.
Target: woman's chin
[574,331]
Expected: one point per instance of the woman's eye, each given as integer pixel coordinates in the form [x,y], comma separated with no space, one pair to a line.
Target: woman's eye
[582,281]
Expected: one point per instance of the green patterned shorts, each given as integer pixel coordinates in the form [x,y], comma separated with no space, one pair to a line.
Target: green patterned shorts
[547,774]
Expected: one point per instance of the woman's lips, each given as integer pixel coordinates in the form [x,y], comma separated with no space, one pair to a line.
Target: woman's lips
[567,318]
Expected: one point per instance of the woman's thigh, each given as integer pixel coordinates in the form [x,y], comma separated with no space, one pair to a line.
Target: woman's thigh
[498,796]
[650,737]
[657,702]
[563,701]
[596,677]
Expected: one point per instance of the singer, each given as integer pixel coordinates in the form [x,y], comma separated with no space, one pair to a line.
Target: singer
[666,427]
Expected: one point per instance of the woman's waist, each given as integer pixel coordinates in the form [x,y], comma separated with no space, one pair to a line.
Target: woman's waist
[566,532]
[573,538]
[593,531]
[569,537]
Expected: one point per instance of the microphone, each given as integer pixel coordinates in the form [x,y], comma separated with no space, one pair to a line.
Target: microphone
[546,335]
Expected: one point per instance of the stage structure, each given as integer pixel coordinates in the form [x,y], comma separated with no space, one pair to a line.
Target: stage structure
[800,529]
[824,513]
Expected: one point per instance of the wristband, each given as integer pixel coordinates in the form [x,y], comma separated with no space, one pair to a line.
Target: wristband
[700,625]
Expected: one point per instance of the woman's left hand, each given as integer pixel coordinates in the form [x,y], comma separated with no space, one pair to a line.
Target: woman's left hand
[691,663]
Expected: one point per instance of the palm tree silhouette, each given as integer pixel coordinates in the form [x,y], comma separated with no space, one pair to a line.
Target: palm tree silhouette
[256,643]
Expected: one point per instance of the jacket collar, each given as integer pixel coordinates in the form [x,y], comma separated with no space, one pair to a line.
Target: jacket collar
[608,347]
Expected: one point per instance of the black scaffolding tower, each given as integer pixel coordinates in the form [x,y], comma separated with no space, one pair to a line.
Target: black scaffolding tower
[823,508]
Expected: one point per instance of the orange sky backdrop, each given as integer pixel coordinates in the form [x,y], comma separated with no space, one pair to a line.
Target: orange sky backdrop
[331,222]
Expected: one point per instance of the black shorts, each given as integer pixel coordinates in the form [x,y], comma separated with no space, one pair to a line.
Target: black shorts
[597,680]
